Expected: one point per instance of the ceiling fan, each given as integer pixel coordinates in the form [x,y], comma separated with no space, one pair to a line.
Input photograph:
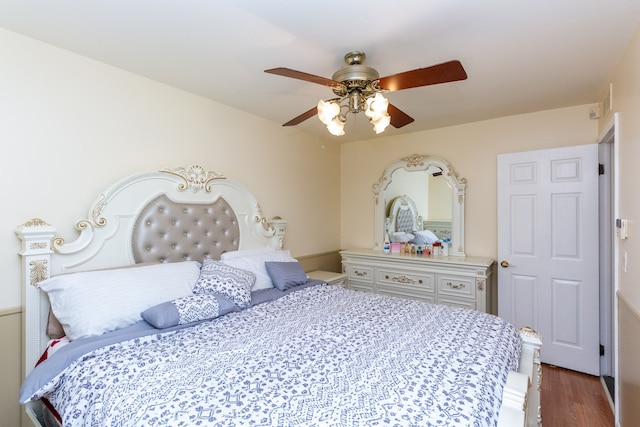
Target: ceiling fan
[359,88]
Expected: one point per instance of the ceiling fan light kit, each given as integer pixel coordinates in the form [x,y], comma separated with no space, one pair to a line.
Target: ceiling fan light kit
[377,112]
[360,88]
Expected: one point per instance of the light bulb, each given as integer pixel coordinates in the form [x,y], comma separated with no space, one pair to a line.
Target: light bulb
[381,123]
[327,111]
[376,107]
[336,126]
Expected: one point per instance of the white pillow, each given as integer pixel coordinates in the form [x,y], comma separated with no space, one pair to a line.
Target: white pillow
[94,302]
[424,237]
[255,264]
[246,252]
[402,237]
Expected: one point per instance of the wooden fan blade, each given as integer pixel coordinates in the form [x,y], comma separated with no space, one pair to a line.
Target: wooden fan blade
[398,117]
[288,72]
[302,117]
[442,73]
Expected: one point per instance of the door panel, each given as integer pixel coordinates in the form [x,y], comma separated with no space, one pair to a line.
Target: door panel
[565,226]
[525,288]
[548,236]
[523,225]
[566,310]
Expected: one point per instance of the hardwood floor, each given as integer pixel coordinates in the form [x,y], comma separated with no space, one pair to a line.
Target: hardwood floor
[572,399]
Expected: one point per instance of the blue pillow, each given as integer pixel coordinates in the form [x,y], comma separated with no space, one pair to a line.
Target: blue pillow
[187,309]
[285,274]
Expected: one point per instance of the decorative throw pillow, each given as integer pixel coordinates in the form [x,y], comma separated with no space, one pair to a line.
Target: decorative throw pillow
[285,275]
[187,309]
[219,278]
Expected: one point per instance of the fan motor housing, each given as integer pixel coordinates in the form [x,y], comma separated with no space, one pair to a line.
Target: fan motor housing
[355,76]
[356,72]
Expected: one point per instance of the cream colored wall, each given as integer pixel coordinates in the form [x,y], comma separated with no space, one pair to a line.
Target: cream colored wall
[70,127]
[626,102]
[472,150]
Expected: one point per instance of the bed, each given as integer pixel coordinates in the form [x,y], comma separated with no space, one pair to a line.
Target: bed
[217,341]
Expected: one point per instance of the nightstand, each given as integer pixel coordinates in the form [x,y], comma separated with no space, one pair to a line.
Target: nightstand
[330,277]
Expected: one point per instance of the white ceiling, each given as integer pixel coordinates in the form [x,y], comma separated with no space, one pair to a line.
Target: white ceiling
[520,56]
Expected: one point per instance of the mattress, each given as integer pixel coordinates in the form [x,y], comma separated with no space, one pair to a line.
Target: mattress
[318,356]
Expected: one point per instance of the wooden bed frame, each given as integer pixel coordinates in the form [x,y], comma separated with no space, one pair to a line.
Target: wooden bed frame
[105,240]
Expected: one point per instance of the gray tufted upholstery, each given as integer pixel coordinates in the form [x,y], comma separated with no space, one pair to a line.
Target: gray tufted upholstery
[404,222]
[166,231]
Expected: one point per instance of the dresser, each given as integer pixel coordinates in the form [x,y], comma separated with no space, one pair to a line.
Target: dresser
[462,281]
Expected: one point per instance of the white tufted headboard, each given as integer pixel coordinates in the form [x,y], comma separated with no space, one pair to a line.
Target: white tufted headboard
[170,215]
[403,216]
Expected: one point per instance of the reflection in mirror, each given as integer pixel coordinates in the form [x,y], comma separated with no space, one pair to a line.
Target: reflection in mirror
[420,193]
[428,189]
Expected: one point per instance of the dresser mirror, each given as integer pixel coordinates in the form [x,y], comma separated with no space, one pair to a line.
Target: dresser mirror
[434,192]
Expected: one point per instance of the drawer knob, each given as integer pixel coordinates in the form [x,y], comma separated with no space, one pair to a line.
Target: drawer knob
[360,273]
[455,285]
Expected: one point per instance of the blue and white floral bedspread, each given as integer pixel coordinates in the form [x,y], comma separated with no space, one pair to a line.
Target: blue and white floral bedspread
[322,356]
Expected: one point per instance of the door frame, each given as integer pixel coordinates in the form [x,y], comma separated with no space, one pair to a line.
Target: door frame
[610,134]
[606,239]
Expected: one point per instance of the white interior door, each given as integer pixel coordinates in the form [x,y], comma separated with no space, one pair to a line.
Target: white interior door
[548,251]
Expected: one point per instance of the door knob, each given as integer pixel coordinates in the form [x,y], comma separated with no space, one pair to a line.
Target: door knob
[505,264]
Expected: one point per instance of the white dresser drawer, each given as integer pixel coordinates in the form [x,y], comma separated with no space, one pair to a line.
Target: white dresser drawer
[360,273]
[457,286]
[359,286]
[457,302]
[405,279]
[410,293]
[406,283]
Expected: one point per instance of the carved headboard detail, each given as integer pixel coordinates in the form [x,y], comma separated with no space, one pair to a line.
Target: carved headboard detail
[169,215]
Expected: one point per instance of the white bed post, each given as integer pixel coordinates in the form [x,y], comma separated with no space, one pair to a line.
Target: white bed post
[521,396]
[36,236]
[531,345]
[278,225]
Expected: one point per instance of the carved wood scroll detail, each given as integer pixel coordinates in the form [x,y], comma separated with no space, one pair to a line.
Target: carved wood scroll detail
[195,178]
[38,271]
[36,222]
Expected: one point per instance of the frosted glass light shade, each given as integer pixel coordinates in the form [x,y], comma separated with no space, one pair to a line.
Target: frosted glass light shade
[327,111]
[381,123]
[376,106]
[336,126]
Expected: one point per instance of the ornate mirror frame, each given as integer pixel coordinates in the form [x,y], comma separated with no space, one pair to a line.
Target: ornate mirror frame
[419,162]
